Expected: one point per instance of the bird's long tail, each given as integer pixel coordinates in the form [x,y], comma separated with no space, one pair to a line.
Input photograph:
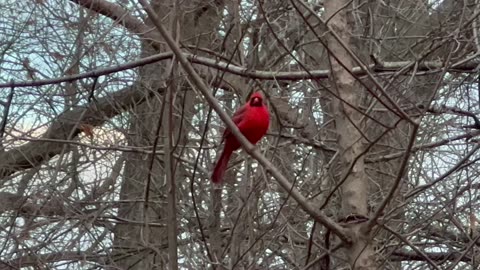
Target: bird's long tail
[221,166]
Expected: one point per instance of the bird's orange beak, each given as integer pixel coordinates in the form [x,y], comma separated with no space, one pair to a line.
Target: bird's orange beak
[256,102]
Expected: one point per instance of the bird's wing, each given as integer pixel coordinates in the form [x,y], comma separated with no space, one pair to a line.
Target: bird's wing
[236,118]
[238,115]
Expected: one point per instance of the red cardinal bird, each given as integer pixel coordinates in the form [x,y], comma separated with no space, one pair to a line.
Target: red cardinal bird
[252,119]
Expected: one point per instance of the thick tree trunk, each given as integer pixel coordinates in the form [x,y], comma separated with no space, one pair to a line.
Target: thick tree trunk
[349,126]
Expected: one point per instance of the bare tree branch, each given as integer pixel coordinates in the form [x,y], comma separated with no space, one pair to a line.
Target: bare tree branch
[33,153]
[467,65]
[39,259]
[403,255]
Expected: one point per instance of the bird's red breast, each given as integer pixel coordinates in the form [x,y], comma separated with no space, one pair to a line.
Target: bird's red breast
[252,119]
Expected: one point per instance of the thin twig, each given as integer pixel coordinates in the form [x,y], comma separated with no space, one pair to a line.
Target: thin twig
[398,180]
[417,250]
[6,112]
